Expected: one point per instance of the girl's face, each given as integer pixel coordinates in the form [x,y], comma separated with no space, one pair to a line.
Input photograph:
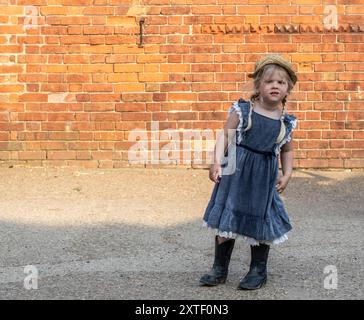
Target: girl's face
[273,87]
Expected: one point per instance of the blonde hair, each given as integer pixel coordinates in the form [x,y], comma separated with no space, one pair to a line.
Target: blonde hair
[255,97]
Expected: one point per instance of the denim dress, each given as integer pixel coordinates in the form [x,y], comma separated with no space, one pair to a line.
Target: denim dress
[246,202]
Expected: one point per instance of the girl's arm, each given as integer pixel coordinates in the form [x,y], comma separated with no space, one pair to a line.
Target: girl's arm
[287,166]
[287,158]
[222,140]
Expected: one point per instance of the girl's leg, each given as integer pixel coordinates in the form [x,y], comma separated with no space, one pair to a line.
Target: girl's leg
[222,239]
[218,274]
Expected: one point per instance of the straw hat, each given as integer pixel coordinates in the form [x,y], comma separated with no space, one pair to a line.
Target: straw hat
[275,59]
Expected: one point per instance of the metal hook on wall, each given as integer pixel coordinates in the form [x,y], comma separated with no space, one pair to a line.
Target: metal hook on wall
[141,22]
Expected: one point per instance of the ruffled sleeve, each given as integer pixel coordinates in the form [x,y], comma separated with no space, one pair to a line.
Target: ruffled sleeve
[291,123]
[242,109]
[235,107]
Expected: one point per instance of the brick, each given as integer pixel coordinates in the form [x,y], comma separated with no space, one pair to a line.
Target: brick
[54,20]
[97,68]
[171,67]
[153,77]
[105,116]
[48,10]
[354,125]
[126,67]
[151,58]
[113,136]
[11,88]
[31,155]
[98,11]
[54,87]
[341,154]
[182,96]
[78,78]
[130,87]
[322,144]
[212,96]
[54,69]
[27,97]
[101,155]
[175,10]
[204,10]
[11,49]
[77,2]
[174,29]
[354,144]
[61,155]
[75,40]
[306,58]
[122,77]
[313,163]
[132,106]
[357,153]
[212,116]
[353,163]
[105,98]
[53,126]
[137,97]
[279,9]
[83,155]
[120,21]
[98,88]
[63,135]
[151,67]
[59,116]
[4,136]
[11,29]
[53,145]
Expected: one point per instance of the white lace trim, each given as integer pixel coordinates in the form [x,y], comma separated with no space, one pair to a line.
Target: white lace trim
[251,241]
[235,106]
[286,139]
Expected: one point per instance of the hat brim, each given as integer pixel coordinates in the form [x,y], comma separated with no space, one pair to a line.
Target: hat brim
[291,75]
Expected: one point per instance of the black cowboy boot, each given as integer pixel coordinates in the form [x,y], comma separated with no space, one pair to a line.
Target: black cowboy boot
[257,275]
[219,271]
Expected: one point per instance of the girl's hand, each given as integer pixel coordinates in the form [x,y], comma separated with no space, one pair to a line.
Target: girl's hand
[282,183]
[215,172]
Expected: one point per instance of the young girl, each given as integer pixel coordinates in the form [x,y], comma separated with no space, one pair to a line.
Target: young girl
[247,202]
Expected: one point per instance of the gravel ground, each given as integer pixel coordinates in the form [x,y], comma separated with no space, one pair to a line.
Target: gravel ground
[137,234]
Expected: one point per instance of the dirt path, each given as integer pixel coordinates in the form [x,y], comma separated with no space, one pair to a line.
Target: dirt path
[136,234]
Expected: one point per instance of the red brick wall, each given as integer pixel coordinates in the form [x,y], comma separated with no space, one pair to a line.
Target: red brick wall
[75,81]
